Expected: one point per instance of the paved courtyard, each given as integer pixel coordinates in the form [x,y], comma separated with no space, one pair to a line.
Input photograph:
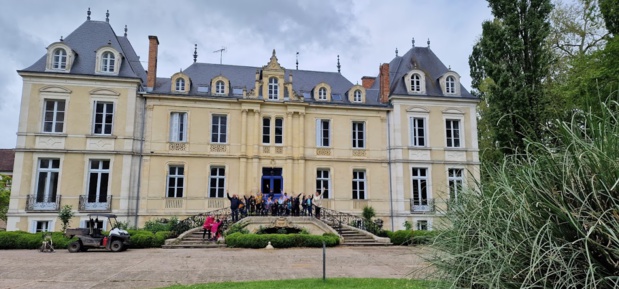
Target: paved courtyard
[153,268]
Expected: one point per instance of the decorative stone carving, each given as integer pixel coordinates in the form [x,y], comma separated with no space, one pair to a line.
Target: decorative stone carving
[359,153]
[266,149]
[323,152]
[219,148]
[100,144]
[50,142]
[177,146]
[455,156]
[279,150]
[419,155]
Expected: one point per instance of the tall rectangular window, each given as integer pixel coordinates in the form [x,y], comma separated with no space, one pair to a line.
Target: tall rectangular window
[358,134]
[47,180]
[217,182]
[279,130]
[418,131]
[103,118]
[420,186]
[323,180]
[98,181]
[358,185]
[176,181]
[455,180]
[42,226]
[322,133]
[178,127]
[54,115]
[266,130]
[218,129]
[452,132]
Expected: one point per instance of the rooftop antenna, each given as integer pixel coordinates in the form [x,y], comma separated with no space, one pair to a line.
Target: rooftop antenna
[297,60]
[107,16]
[338,64]
[221,52]
[195,53]
[125,30]
[88,14]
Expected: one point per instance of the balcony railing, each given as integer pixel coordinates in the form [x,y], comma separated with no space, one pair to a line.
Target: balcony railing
[46,204]
[86,206]
[422,206]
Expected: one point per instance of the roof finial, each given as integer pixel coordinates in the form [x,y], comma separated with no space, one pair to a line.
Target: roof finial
[413,42]
[107,16]
[273,51]
[338,64]
[125,30]
[428,42]
[449,68]
[61,40]
[396,52]
[297,60]
[88,14]
[195,53]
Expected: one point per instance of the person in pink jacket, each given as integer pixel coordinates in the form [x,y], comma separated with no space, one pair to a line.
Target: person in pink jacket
[208,223]
[215,229]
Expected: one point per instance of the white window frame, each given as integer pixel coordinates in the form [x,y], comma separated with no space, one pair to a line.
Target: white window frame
[180,84]
[108,62]
[179,122]
[221,133]
[455,182]
[420,224]
[359,177]
[178,178]
[450,85]
[55,112]
[105,113]
[266,130]
[415,138]
[320,133]
[273,88]
[59,61]
[50,172]
[99,171]
[322,93]
[358,136]
[218,176]
[415,83]
[324,182]
[357,96]
[220,87]
[450,141]
[421,205]
[278,136]
[34,224]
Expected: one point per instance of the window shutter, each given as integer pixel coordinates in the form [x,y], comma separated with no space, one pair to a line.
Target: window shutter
[185,124]
[174,127]
[318,133]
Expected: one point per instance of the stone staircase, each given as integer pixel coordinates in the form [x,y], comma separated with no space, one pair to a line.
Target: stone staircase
[192,239]
[352,237]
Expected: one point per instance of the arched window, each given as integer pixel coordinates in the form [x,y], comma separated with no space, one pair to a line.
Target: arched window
[322,93]
[416,83]
[273,88]
[450,85]
[219,87]
[180,84]
[60,59]
[108,61]
[357,96]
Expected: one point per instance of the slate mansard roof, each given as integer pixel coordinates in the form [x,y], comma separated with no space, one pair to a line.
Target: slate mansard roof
[424,59]
[86,40]
[244,77]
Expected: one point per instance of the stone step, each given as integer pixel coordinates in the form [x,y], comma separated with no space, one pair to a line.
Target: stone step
[366,244]
[196,246]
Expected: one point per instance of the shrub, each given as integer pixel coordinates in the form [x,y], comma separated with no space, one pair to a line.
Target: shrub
[401,237]
[142,239]
[65,215]
[157,225]
[160,238]
[236,228]
[239,240]
[407,225]
[25,240]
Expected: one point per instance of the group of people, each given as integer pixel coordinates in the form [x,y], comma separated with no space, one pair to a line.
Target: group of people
[212,227]
[270,204]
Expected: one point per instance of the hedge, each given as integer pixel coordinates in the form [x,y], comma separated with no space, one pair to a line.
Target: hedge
[239,240]
[25,240]
[406,237]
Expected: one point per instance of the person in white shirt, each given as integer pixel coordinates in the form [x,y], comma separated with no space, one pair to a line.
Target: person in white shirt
[317,202]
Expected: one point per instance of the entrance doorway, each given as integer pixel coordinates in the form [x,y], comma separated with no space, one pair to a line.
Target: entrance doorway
[272,180]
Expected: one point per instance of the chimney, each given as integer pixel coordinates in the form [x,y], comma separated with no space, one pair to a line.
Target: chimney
[367,81]
[384,83]
[153,47]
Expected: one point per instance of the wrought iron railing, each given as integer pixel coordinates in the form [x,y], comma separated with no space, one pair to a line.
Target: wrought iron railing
[86,206]
[336,219]
[422,206]
[195,221]
[45,204]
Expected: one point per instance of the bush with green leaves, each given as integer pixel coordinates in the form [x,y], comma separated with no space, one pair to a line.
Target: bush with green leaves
[409,237]
[239,240]
[158,225]
[65,215]
[25,240]
[547,218]
[236,228]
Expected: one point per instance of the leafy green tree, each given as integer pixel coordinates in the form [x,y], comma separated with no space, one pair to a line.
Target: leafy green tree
[5,195]
[512,58]
[610,11]
[65,215]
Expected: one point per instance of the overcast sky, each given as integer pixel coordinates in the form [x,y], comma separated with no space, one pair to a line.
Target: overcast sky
[364,33]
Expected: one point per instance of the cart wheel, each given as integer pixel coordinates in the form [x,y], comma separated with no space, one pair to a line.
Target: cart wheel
[75,247]
[116,246]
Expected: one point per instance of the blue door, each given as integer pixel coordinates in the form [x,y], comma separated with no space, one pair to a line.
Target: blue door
[272,180]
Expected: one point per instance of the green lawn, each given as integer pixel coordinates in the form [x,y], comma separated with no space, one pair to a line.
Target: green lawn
[353,283]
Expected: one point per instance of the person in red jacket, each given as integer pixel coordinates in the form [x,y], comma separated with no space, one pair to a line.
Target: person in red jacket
[216,227]
[208,223]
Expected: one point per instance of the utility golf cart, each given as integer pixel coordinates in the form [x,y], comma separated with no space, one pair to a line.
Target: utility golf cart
[91,237]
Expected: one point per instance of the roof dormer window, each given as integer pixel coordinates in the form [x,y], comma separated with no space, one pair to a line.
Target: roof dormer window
[357,96]
[450,85]
[180,84]
[273,88]
[60,59]
[416,83]
[219,87]
[108,61]
[322,94]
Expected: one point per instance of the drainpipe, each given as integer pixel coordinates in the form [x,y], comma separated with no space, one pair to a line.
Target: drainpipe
[389,164]
[141,156]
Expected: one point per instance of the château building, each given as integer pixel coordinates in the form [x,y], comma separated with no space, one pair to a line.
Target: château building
[100,133]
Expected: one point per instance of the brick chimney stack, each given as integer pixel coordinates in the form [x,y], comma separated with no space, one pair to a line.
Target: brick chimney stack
[367,81]
[384,83]
[153,48]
